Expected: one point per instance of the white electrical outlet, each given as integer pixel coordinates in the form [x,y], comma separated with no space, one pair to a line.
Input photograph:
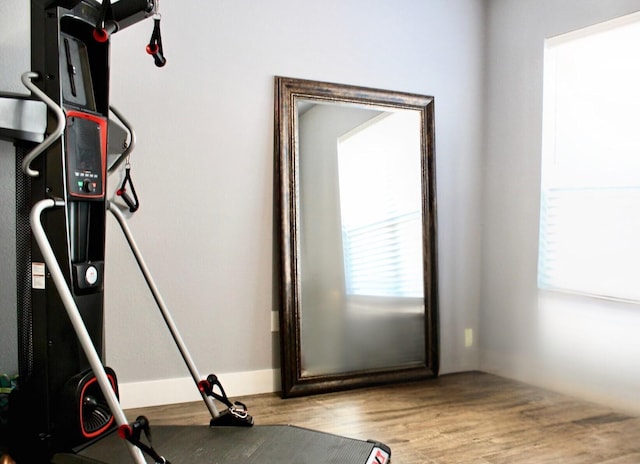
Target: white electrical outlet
[468,338]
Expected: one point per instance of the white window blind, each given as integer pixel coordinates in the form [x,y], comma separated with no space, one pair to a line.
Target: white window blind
[380,203]
[385,258]
[590,190]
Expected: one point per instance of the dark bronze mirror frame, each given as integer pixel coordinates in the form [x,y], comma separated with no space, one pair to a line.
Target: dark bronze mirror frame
[289,91]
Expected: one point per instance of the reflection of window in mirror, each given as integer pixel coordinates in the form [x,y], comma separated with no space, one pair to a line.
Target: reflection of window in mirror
[379,178]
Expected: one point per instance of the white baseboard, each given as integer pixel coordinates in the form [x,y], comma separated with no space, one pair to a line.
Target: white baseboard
[184,390]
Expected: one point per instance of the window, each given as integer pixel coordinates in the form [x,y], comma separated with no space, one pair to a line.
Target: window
[381,206]
[590,190]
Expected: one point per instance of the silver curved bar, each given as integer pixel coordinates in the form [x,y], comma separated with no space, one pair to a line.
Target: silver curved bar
[163,308]
[76,319]
[132,142]
[53,136]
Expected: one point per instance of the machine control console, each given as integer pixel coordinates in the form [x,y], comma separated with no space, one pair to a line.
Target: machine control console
[86,147]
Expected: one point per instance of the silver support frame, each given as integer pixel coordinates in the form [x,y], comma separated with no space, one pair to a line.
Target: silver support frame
[163,307]
[76,319]
[132,142]
[53,136]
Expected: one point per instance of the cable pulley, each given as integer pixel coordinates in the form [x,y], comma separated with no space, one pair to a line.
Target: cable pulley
[105,25]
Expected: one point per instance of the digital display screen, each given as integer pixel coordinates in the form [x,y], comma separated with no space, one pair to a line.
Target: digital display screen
[85,153]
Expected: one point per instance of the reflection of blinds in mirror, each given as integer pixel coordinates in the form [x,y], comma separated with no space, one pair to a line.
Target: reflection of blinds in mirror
[380,186]
[385,258]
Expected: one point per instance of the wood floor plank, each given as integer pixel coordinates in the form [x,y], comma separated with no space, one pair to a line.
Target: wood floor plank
[473,417]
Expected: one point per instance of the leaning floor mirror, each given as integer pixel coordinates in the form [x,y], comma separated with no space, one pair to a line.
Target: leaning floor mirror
[356,236]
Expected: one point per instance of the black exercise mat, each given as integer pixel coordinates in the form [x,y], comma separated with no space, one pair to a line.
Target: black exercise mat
[230,445]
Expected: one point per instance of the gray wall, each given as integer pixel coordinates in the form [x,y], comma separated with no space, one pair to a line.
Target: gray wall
[204,161]
[203,165]
[582,346]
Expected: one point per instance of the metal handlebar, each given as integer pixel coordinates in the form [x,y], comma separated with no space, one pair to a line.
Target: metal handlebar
[76,319]
[166,315]
[53,136]
[132,142]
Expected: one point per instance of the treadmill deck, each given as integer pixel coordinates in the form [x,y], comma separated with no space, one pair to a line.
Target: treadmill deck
[230,445]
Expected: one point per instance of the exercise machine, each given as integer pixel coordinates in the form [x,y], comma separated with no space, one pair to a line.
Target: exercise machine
[66,407]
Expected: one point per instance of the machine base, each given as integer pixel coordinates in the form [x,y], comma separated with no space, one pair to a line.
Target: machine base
[229,445]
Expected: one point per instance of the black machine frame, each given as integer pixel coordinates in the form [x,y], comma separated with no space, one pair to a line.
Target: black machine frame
[66,407]
[59,403]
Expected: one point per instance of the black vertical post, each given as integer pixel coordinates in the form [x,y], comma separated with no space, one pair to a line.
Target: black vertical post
[55,381]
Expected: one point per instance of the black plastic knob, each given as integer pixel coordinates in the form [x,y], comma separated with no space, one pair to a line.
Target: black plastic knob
[89,186]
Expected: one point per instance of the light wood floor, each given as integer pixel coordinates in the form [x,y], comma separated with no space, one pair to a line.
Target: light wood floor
[461,418]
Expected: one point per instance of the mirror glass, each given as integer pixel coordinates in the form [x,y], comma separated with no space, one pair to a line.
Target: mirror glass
[357,236]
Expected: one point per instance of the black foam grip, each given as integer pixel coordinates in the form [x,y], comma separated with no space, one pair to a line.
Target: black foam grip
[159,59]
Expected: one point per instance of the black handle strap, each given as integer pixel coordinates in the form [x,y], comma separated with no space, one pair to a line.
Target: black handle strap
[134,203]
[213,381]
[207,387]
[154,47]
[133,434]
[236,413]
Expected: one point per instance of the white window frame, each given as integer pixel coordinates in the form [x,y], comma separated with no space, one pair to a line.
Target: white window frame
[590,187]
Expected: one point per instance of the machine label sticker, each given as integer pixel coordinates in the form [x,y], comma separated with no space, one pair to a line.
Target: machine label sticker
[37,275]
[378,456]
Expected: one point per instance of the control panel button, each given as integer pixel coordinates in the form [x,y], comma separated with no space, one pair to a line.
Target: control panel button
[91,275]
[89,186]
